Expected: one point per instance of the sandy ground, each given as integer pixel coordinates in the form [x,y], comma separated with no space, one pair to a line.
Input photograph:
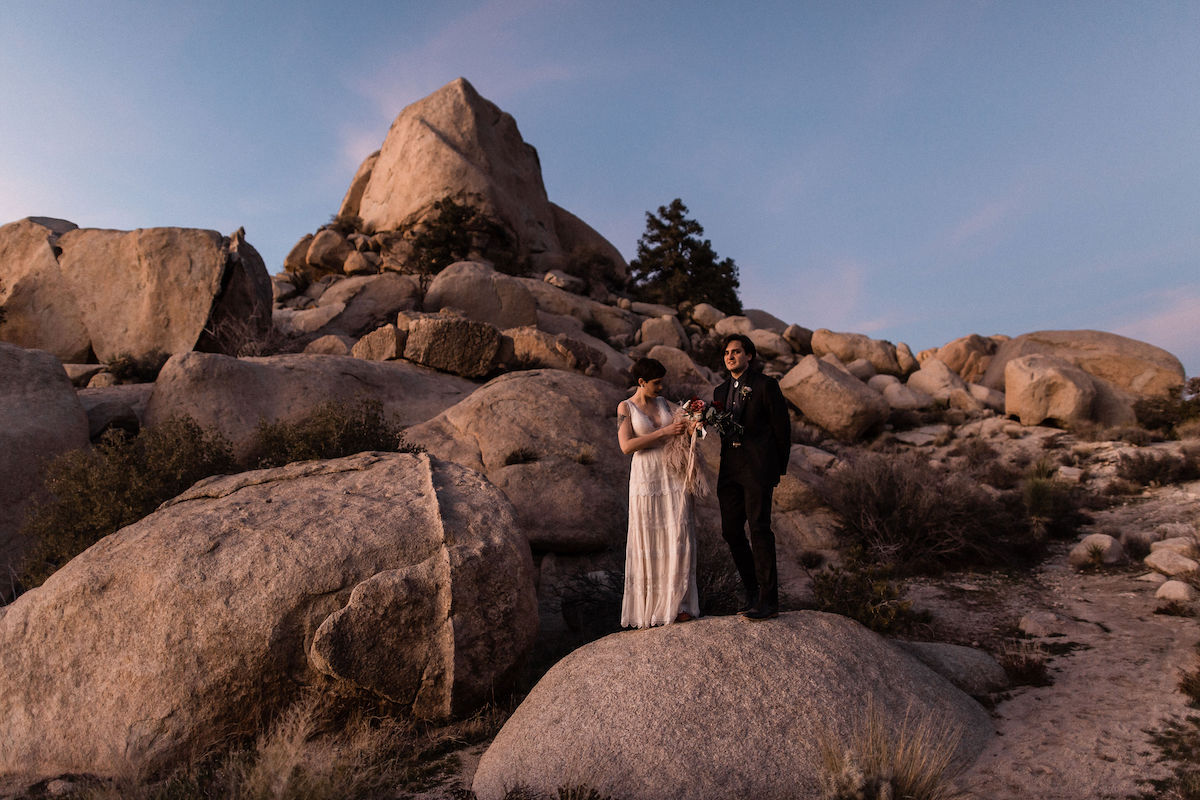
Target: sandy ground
[1085,736]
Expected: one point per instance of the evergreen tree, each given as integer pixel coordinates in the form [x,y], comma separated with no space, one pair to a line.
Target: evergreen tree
[674,264]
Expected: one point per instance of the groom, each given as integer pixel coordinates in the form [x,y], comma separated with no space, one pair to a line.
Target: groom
[751,464]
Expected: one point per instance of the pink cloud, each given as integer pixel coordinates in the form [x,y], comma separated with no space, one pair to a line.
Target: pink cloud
[1173,323]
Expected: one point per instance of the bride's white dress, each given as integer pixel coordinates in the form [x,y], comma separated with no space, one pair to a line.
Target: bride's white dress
[660,552]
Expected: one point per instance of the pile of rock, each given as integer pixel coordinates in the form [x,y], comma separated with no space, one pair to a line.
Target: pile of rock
[456,144]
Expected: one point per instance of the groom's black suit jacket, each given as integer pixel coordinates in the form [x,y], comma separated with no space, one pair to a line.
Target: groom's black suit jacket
[766,444]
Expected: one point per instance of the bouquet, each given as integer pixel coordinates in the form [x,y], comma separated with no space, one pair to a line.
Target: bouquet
[682,455]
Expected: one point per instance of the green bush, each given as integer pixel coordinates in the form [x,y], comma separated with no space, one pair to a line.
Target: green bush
[122,479]
[867,594]
[127,368]
[1052,506]
[332,430]
[901,512]
[1150,468]
[1166,413]
[97,491]
[458,231]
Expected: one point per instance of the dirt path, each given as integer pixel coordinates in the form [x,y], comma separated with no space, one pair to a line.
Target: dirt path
[1084,737]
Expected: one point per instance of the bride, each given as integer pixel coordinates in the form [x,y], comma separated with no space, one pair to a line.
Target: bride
[660,552]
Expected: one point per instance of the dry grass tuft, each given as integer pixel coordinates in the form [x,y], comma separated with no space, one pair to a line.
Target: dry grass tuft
[914,761]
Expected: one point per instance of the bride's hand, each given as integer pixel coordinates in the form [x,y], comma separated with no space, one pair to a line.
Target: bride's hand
[674,429]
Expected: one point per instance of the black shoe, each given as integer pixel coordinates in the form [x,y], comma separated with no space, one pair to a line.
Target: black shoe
[757,614]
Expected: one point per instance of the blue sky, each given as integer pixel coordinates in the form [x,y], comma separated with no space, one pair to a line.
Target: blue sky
[916,171]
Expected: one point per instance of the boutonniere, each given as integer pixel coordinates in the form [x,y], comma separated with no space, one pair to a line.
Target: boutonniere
[745,392]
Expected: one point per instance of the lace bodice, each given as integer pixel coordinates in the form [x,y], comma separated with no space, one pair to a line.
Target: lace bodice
[644,423]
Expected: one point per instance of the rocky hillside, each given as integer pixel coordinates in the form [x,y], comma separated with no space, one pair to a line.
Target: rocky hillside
[426,580]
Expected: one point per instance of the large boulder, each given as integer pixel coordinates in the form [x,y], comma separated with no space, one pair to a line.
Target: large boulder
[365,302]
[164,290]
[232,395]
[40,310]
[529,348]
[849,347]
[590,253]
[969,356]
[1132,366]
[833,398]
[718,708]
[685,378]
[936,379]
[452,344]
[611,321]
[615,368]
[1044,388]
[42,419]
[456,143]
[666,331]
[483,294]
[548,440]
[397,574]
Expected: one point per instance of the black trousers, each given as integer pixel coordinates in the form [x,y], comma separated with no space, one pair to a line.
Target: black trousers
[743,504]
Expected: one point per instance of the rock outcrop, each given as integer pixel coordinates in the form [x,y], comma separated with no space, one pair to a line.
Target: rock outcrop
[482,294]
[232,395]
[532,430]
[715,709]
[833,398]
[398,574]
[1130,365]
[454,143]
[42,419]
[139,293]
[41,311]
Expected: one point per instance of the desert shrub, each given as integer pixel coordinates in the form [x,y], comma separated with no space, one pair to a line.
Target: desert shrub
[1150,468]
[123,478]
[457,231]
[976,451]
[1174,608]
[867,594]
[522,455]
[1024,663]
[320,748]
[127,368]
[1053,505]
[1189,683]
[914,761]
[998,474]
[1178,742]
[902,512]
[346,224]
[1166,413]
[332,430]
[242,338]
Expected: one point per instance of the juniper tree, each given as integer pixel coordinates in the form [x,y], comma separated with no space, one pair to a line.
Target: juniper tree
[674,263]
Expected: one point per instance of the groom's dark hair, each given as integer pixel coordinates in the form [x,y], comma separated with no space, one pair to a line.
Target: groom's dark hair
[747,344]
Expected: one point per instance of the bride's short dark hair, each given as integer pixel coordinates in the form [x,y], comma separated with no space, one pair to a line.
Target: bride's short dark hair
[647,369]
